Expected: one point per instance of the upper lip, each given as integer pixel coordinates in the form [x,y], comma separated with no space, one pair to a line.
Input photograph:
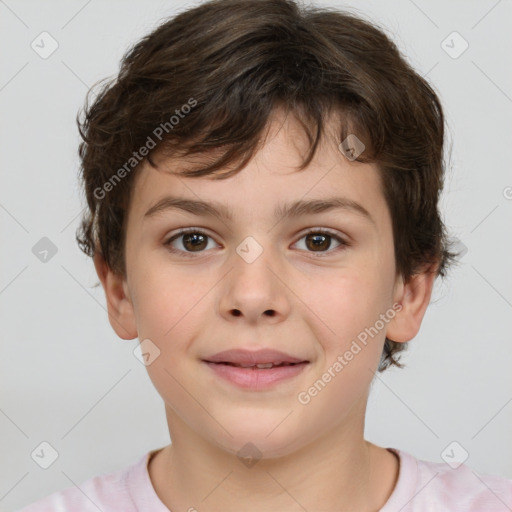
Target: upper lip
[242,356]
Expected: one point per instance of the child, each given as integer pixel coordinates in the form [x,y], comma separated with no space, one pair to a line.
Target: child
[306,156]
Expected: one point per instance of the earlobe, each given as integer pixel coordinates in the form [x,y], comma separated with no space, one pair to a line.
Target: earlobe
[414,297]
[119,305]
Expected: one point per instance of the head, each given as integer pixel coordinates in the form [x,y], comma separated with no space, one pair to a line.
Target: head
[275,104]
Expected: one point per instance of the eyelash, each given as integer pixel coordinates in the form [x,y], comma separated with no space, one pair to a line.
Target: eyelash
[316,231]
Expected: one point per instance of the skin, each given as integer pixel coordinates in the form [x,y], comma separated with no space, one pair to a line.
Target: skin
[313,456]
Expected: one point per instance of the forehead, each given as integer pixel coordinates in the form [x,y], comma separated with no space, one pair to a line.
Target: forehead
[270,181]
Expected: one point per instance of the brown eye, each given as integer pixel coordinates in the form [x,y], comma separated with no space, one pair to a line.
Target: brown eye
[320,241]
[194,242]
[188,241]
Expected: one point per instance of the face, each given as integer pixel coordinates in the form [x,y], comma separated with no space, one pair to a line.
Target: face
[307,284]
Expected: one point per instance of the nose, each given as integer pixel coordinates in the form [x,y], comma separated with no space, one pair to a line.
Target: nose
[254,292]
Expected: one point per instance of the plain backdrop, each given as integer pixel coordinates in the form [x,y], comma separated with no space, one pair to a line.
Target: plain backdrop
[67,380]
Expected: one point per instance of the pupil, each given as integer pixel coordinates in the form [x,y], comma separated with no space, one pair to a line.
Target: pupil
[196,240]
[318,238]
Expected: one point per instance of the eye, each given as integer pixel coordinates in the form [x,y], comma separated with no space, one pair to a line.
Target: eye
[194,240]
[319,240]
[191,239]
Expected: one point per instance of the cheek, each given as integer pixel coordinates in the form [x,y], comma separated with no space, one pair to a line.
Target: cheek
[345,305]
[169,312]
[350,345]
[166,300]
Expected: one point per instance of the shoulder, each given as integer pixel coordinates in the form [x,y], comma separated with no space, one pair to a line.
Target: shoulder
[424,485]
[106,492]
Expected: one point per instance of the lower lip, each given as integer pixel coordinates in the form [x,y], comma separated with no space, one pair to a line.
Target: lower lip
[251,378]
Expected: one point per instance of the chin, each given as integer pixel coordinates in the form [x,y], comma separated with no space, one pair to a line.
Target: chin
[261,441]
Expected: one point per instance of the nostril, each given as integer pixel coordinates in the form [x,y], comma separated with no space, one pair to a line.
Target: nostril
[268,312]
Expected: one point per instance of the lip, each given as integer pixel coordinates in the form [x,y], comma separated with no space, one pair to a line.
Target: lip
[254,378]
[242,356]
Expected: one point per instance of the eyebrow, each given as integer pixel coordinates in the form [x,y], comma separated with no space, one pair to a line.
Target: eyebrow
[281,212]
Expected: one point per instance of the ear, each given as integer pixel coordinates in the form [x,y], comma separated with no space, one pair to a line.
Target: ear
[120,308]
[414,297]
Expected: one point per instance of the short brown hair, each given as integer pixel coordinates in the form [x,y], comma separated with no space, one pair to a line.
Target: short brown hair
[232,63]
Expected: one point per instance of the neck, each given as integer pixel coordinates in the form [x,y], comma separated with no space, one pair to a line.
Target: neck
[339,472]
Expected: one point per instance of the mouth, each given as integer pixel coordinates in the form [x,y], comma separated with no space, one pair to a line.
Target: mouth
[261,358]
[255,370]
[258,366]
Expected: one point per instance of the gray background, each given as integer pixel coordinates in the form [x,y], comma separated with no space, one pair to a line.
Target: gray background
[68,380]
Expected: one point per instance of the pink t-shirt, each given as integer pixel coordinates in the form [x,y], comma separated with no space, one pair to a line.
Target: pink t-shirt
[422,487]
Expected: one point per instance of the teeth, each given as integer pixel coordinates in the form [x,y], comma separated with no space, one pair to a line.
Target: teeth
[261,366]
